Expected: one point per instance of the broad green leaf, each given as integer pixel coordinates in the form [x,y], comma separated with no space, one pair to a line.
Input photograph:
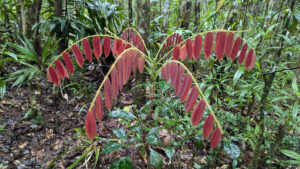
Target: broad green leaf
[291,154]
[294,85]
[170,151]
[220,4]
[125,115]
[123,163]
[232,150]
[295,110]
[155,159]
[119,132]
[2,88]
[238,74]
[110,147]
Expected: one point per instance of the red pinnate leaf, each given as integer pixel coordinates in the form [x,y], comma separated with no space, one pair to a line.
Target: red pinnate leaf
[208,44]
[208,126]
[78,55]
[124,68]
[183,53]
[180,72]
[176,52]
[97,46]
[135,61]
[129,64]
[141,63]
[198,112]
[215,138]
[220,45]
[235,48]
[119,47]
[90,126]
[174,67]
[54,77]
[68,62]
[106,45]
[168,72]
[228,46]
[87,49]
[190,102]
[163,72]
[114,82]
[197,46]
[189,48]
[49,76]
[252,61]
[243,53]
[187,83]
[99,108]
[108,94]
[120,74]
[60,68]
[114,51]
[249,58]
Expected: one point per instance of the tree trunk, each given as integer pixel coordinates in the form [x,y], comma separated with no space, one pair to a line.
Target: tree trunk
[166,15]
[37,45]
[129,12]
[143,18]
[197,14]
[186,13]
[58,11]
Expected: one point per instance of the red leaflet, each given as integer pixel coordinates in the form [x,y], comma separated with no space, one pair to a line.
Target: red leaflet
[99,107]
[60,69]
[174,67]
[187,83]
[54,78]
[49,76]
[189,48]
[176,52]
[106,42]
[215,138]
[129,64]
[208,44]
[97,46]
[220,45]
[142,47]
[198,112]
[163,72]
[90,126]
[179,75]
[252,61]
[208,126]
[87,49]
[168,72]
[243,53]
[141,63]
[108,94]
[68,62]
[235,48]
[114,50]
[190,102]
[228,46]
[119,73]
[78,55]
[119,47]
[114,82]
[249,58]
[197,46]
[135,61]
[124,68]
[183,53]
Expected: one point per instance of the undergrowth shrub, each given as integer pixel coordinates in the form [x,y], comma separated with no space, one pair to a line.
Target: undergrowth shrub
[131,57]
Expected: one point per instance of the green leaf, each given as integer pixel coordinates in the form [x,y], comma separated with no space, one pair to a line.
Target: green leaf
[155,159]
[170,151]
[232,150]
[2,88]
[80,158]
[220,4]
[238,74]
[122,114]
[123,163]
[295,110]
[119,132]
[110,147]
[291,154]
[294,85]
[97,153]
